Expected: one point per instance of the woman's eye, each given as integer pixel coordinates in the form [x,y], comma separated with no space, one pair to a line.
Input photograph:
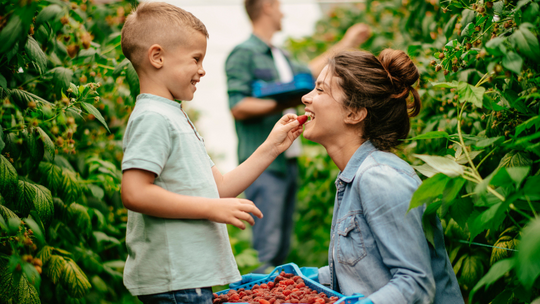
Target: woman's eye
[319,90]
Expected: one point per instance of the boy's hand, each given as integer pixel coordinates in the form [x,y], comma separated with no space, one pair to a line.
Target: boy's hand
[233,211]
[286,130]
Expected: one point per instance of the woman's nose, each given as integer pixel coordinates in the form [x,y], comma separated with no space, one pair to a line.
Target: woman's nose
[307,98]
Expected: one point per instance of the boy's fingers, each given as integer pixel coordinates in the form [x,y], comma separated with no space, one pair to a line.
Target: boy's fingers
[238,223]
[246,217]
[251,208]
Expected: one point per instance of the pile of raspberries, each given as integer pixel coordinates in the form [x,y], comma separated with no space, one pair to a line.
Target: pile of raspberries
[286,288]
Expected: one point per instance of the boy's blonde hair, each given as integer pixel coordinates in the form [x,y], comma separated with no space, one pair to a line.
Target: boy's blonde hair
[156,23]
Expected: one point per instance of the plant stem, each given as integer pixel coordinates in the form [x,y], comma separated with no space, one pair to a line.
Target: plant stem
[485,157]
[463,142]
[520,212]
[532,208]
[513,220]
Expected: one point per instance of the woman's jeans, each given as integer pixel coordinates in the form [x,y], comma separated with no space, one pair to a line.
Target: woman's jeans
[196,295]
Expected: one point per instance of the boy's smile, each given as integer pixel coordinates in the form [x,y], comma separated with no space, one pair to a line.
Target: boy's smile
[182,67]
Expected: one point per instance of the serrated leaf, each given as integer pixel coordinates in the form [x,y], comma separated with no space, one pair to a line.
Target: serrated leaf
[513,62]
[27,293]
[499,251]
[97,191]
[48,13]
[48,143]
[43,204]
[26,196]
[496,271]
[431,135]
[133,81]
[471,93]
[429,190]
[442,164]
[38,233]
[69,190]
[79,218]
[33,147]
[51,177]
[3,84]
[452,189]
[62,78]
[55,268]
[488,141]
[34,52]
[526,41]
[92,110]
[120,67]
[528,264]
[74,280]
[11,33]
[426,170]
[45,254]
[8,179]
[22,98]
[446,85]
[515,159]
[471,270]
[534,121]
[496,46]
[449,27]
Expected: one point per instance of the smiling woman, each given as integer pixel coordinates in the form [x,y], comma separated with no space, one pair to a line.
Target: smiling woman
[359,112]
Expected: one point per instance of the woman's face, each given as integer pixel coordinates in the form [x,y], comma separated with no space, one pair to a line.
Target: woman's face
[325,109]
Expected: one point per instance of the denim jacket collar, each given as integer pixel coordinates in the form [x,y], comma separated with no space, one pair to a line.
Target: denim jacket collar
[347,176]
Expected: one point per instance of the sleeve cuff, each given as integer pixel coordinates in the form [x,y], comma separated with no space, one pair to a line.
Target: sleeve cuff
[143,165]
[324,275]
[388,294]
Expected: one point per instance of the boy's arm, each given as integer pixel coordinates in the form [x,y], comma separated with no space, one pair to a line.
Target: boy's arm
[140,194]
[286,130]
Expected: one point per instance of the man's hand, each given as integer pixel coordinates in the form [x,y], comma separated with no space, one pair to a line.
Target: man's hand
[356,35]
[233,211]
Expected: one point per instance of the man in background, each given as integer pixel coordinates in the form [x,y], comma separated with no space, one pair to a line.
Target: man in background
[274,192]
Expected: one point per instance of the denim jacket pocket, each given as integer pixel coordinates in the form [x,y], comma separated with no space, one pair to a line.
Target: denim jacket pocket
[351,248]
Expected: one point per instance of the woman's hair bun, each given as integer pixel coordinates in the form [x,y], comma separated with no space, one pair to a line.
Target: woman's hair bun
[403,74]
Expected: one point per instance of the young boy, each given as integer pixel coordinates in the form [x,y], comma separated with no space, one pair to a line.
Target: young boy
[178,201]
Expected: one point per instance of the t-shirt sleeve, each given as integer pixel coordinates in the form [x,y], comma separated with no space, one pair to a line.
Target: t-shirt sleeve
[147,143]
[239,76]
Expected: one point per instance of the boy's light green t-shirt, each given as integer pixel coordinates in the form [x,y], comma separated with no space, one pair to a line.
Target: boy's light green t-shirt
[172,254]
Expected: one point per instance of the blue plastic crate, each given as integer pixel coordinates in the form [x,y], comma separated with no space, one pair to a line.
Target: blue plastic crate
[281,91]
[294,269]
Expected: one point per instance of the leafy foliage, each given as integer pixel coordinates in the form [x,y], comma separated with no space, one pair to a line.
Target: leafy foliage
[476,141]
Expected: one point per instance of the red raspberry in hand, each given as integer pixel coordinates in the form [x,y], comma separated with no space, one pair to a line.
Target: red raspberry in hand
[302,119]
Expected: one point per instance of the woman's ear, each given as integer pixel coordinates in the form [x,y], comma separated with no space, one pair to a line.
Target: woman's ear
[155,56]
[355,116]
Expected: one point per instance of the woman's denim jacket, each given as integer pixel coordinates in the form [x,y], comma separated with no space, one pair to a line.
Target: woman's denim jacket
[379,249]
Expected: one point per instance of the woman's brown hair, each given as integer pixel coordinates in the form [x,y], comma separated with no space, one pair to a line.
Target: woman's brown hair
[381,85]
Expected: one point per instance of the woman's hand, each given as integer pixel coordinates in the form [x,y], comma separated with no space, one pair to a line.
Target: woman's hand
[285,131]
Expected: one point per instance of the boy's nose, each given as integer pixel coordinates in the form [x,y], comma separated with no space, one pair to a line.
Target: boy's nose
[201,72]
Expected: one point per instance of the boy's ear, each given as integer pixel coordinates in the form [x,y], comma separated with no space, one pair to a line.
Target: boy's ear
[356,116]
[155,56]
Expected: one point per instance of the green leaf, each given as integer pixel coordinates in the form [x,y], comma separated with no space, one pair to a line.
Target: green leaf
[11,33]
[489,141]
[79,218]
[471,93]
[120,67]
[426,170]
[531,13]
[468,30]
[8,179]
[55,267]
[471,270]
[35,54]
[27,293]
[467,16]
[452,189]
[69,190]
[48,13]
[527,42]
[3,82]
[48,143]
[449,27]
[496,271]
[92,110]
[22,98]
[453,84]
[43,204]
[528,263]
[133,80]
[515,159]
[496,46]
[62,77]
[429,190]
[51,176]
[442,164]
[498,7]
[431,135]
[512,62]
[45,254]
[531,190]
[534,121]
[74,280]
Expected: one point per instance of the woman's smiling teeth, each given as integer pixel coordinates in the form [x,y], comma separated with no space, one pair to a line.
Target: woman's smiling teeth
[310,115]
